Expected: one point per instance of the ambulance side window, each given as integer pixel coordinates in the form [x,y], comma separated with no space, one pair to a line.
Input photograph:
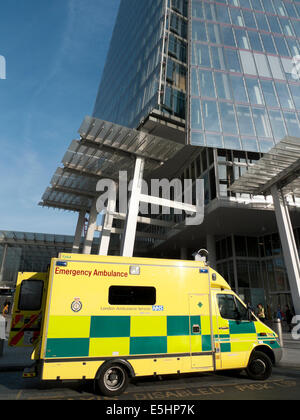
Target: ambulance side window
[227,306]
[31,294]
[231,308]
[132,295]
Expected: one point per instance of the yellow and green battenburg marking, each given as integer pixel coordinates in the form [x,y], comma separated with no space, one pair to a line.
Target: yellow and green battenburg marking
[121,335]
[104,336]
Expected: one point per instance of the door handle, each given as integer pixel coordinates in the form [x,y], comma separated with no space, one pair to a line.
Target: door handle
[196,329]
[223,328]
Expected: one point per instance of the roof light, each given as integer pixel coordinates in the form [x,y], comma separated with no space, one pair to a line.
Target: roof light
[134,270]
[61,263]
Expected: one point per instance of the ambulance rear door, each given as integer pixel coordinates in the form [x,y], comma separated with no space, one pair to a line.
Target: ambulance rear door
[28,309]
[201,329]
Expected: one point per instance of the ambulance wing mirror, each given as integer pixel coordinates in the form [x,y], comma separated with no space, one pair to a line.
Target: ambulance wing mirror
[201,255]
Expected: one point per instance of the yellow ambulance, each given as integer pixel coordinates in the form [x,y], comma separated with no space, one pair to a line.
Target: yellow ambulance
[111,318]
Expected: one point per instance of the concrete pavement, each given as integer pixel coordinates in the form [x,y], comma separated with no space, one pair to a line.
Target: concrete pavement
[15,358]
[291,351]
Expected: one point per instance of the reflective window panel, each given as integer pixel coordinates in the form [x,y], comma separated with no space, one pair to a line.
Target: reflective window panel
[244,70]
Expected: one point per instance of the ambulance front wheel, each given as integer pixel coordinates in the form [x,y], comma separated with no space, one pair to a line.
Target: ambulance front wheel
[112,379]
[259,366]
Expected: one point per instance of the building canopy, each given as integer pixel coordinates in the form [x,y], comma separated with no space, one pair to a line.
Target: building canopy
[103,151]
[280,167]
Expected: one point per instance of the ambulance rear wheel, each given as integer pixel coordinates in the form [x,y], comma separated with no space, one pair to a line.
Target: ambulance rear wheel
[259,367]
[112,379]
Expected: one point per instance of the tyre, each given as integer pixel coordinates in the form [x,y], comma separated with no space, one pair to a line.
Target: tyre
[259,367]
[112,379]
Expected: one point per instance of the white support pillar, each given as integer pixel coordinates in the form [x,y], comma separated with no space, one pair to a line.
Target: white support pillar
[288,243]
[78,233]
[211,248]
[107,225]
[3,260]
[128,240]
[88,242]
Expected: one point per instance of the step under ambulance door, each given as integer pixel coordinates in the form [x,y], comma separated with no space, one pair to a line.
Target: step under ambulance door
[201,337]
[28,309]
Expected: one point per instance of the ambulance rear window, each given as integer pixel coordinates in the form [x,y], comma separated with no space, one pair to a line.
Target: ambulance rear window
[31,293]
[132,295]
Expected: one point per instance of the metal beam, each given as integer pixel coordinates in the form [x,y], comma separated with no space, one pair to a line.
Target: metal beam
[61,206]
[113,150]
[86,174]
[28,243]
[144,220]
[139,234]
[74,191]
[168,203]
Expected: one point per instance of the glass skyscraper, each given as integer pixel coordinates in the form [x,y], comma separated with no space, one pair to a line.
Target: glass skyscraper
[225,75]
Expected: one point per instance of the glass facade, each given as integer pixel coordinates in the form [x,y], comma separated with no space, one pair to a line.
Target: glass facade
[130,83]
[173,90]
[244,87]
[31,252]
[146,67]
[260,270]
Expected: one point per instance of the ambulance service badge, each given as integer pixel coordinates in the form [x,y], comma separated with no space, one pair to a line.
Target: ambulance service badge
[76,305]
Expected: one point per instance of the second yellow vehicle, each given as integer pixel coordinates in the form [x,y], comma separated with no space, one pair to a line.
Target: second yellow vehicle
[110,319]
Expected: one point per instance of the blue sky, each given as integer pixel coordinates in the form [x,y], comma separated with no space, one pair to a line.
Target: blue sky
[55,51]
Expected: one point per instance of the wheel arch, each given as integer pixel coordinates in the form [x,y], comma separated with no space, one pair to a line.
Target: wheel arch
[122,362]
[264,349]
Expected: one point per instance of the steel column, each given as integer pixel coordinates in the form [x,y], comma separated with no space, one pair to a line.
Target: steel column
[289,248]
[92,226]
[3,260]
[128,240]
[107,225]
[78,233]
